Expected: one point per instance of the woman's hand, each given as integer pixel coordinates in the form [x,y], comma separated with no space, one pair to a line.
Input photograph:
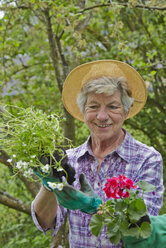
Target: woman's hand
[84,199]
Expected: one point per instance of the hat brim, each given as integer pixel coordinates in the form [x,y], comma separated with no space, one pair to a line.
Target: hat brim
[113,68]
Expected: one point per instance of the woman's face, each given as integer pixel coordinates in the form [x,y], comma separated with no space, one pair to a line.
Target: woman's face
[104,115]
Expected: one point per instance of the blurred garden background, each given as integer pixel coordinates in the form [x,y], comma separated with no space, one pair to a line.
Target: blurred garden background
[41,41]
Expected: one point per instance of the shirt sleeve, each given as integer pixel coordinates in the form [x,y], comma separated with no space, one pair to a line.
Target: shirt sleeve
[152,172]
[61,212]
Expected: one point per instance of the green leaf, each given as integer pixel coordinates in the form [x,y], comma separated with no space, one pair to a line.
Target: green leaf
[137,209]
[132,232]
[127,231]
[115,239]
[145,229]
[120,206]
[110,205]
[124,227]
[109,202]
[113,226]
[96,224]
[153,73]
[146,187]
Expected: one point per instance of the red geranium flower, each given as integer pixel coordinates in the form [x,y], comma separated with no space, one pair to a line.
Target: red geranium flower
[116,187]
[112,182]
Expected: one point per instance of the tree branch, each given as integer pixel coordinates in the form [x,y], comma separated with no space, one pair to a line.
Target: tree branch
[61,237]
[14,203]
[6,8]
[70,134]
[53,49]
[140,6]
[63,60]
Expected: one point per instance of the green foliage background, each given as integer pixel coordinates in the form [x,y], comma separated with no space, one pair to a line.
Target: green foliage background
[41,41]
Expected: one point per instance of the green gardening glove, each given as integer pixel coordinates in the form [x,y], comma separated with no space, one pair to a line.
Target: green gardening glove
[157,239]
[84,199]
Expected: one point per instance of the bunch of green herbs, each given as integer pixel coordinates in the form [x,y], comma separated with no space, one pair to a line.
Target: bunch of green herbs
[29,135]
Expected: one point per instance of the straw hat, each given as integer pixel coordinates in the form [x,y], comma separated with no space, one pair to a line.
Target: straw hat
[96,69]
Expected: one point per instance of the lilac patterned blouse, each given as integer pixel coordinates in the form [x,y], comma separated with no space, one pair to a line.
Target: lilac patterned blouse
[133,159]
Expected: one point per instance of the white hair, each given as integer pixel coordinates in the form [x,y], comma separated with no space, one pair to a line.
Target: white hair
[108,86]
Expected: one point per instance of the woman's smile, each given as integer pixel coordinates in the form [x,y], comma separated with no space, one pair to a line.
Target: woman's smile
[104,126]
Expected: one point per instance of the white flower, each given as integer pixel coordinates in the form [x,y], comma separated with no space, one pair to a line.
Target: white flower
[33,156]
[24,144]
[26,174]
[52,185]
[19,164]
[59,169]
[45,168]
[9,160]
[60,186]
[30,171]
[14,155]
[25,164]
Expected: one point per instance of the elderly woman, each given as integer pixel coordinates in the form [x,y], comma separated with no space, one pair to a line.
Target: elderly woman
[102,94]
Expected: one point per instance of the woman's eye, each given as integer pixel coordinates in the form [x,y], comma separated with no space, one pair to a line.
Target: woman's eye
[93,106]
[113,107]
